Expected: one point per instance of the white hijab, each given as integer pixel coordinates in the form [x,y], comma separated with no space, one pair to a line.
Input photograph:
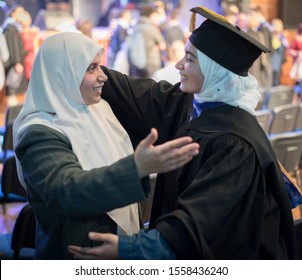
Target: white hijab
[54,99]
[222,85]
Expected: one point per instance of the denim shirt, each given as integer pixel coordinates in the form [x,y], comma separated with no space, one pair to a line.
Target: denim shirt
[146,245]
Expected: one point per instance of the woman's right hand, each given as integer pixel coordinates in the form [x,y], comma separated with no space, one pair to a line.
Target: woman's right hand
[165,157]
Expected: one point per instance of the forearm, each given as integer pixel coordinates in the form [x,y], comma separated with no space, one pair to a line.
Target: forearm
[147,245]
[53,174]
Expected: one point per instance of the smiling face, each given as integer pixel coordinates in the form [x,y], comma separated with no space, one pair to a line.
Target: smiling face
[93,81]
[191,77]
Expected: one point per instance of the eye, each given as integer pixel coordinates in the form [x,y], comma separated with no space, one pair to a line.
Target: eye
[92,67]
[188,58]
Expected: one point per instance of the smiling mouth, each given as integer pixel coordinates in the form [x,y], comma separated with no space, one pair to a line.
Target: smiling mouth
[183,78]
[98,88]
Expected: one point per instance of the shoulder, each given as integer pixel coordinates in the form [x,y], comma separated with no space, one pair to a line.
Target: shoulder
[43,141]
[37,133]
[220,124]
[216,141]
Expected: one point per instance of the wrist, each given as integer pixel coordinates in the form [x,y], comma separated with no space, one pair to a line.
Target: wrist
[139,169]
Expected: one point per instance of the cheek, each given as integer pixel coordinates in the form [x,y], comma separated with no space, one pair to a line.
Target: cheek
[84,89]
[195,81]
[83,83]
[82,86]
[86,84]
[199,82]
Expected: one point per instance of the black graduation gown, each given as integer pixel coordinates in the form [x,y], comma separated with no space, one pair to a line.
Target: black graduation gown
[230,201]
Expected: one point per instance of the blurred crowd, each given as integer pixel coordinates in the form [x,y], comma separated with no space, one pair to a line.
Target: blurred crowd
[144,42]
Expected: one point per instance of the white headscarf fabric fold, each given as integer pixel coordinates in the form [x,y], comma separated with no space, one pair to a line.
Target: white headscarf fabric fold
[54,99]
[222,85]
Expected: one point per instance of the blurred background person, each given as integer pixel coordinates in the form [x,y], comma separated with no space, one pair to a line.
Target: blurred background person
[160,7]
[242,21]
[173,31]
[120,33]
[4,55]
[279,44]
[262,33]
[295,50]
[55,15]
[175,52]
[30,38]
[146,44]
[11,30]
[106,8]
[231,13]
[85,26]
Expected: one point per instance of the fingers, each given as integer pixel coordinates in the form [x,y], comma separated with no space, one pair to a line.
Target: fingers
[175,144]
[150,139]
[178,162]
[74,248]
[165,157]
[82,253]
[76,251]
[108,250]
[103,237]
[177,153]
[178,157]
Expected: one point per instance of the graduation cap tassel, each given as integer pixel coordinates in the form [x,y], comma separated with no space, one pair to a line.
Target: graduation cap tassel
[192,22]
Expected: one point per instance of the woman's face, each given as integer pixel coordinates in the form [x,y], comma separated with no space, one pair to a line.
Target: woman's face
[191,77]
[93,81]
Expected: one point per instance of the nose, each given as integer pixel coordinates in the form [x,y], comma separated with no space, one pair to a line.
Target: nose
[180,64]
[102,77]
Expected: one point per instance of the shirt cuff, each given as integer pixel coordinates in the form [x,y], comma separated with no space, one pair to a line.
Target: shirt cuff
[146,245]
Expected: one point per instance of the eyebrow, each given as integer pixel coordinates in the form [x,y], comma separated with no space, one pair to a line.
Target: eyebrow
[92,63]
[188,52]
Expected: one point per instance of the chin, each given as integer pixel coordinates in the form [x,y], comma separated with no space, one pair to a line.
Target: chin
[184,88]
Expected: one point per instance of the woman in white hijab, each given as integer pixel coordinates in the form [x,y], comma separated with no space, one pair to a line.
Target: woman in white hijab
[73,156]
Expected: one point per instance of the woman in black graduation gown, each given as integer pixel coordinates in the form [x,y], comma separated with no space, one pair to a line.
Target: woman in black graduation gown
[229,202]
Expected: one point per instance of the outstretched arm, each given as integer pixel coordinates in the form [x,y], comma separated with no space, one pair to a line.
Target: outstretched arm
[165,157]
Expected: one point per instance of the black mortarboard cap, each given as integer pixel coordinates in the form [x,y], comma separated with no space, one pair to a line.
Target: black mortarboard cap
[225,43]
